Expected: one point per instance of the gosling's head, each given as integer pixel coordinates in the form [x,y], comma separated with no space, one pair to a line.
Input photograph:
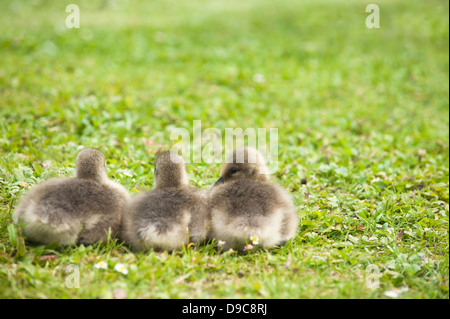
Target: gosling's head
[170,171]
[90,164]
[244,163]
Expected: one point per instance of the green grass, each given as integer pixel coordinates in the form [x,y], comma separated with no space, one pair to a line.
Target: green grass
[361,113]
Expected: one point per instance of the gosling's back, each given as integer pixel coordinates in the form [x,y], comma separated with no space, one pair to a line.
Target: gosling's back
[70,210]
[165,219]
[247,208]
[169,216]
[82,209]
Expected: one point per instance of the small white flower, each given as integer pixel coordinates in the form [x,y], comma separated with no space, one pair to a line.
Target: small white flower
[391,293]
[221,242]
[101,265]
[422,152]
[395,292]
[259,78]
[255,240]
[121,268]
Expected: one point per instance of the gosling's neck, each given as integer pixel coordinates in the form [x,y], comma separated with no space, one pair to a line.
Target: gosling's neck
[94,175]
[171,179]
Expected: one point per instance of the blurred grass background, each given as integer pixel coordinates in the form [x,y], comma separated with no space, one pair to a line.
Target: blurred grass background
[362,115]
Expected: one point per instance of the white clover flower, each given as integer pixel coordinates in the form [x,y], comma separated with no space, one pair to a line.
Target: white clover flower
[255,240]
[221,242]
[121,268]
[422,152]
[101,265]
[259,78]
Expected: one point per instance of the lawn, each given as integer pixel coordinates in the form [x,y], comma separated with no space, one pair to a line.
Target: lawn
[363,138]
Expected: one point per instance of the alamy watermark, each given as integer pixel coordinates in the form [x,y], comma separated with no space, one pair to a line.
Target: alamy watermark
[73,19]
[373,277]
[210,146]
[72,275]
[373,19]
